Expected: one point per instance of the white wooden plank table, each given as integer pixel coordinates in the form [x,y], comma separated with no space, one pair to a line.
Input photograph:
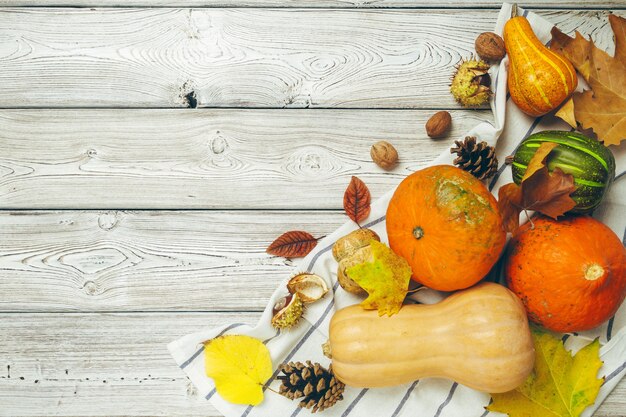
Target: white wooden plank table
[151,149]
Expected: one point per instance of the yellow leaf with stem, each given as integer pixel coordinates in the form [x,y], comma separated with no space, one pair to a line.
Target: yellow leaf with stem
[239,365]
[561,385]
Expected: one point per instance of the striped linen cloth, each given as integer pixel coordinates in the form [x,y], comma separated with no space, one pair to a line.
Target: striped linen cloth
[430,397]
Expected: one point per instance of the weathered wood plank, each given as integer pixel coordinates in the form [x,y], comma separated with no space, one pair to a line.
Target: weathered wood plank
[576,4]
[139,261]
[99,364]
[243,57]
[205,158]
[90,364]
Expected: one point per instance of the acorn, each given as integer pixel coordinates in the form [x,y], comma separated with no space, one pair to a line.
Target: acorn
[287,311]
[470,83]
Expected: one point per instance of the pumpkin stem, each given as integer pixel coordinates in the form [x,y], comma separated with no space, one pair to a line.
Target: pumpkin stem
[418,232]
[594,272]
[514,12]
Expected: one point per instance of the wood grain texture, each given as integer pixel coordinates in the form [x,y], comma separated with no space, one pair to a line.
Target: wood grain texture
[146,261]
[364,4]
[576,4]
[91,364]
[100,364]
[206,158]
[244,57]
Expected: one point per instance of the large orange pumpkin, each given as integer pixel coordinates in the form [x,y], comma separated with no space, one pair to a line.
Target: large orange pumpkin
[570,274]
[446,224]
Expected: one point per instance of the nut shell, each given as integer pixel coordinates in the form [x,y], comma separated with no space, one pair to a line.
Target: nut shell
[348,244]
[384,155]
[439,124]
[490,46]
[309,287]
[359,256]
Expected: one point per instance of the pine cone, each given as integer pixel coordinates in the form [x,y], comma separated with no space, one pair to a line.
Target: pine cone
[479,159]
[316,384]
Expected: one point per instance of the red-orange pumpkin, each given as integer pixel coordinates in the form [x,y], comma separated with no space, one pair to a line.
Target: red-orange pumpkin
[570,274]
[446,224]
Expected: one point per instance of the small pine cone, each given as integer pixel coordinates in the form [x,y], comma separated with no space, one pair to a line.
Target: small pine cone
[479,159]
[316,384]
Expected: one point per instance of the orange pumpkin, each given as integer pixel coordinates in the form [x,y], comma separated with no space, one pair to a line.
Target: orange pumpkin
[570,274]
[539,79]
[446,224]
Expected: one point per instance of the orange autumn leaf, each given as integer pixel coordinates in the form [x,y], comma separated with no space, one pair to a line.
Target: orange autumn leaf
[603,108]
[542,191]
[356,200]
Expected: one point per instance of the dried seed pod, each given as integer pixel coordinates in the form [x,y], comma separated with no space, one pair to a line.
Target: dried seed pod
[309,287]
[384,154]
[470,83]
[287,311]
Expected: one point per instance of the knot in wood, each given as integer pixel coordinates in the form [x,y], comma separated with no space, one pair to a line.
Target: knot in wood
[218,144]
[312,162]
[90,288]
[107,221]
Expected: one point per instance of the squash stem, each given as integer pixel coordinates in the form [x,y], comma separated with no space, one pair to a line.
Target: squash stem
[327,350]
[514,11]
[418,232]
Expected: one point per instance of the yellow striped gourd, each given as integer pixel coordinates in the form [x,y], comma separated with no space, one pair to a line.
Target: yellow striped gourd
[539,79]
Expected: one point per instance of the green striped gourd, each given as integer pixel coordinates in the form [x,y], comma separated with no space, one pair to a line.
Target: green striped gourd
[591,163]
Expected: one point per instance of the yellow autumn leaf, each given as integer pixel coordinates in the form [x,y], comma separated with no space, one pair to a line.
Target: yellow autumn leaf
[386,279]
[559,386]
[239,365]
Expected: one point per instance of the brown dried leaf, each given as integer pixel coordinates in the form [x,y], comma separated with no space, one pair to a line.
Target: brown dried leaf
[509,204]
[603,108]
[356,200]
[566,112]
[538,160]
[542,191]
[293,244]
[548,193]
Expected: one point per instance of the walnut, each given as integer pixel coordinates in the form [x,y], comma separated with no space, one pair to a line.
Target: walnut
[384,154]
[439,124]
[490,46]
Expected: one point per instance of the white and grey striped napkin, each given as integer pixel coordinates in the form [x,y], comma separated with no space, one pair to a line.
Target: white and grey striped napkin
[431,397]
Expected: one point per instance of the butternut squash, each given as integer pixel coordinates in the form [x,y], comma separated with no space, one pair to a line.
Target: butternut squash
[539,79]
[478,337]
